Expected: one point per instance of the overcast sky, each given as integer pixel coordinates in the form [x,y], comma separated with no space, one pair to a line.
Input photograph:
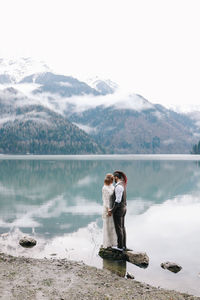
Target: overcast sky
[150,47]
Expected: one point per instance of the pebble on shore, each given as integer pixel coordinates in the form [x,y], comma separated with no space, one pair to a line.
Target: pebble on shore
[27,242]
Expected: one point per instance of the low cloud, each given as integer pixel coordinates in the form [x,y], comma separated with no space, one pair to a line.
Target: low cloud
[158,115]
[66,84]
[118,100]
[40,117]
[74,104]
[168,142]
[196,134]
[86,128]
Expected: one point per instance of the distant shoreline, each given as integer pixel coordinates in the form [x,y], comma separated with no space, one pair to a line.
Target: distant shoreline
[186,157]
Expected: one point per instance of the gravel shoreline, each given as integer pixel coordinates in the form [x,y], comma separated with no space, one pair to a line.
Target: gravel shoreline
[27,278]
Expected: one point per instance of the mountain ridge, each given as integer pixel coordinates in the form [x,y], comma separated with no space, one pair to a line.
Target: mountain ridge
[112,122]
[140,132]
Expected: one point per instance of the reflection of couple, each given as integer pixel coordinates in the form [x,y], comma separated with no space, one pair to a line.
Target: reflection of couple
[114,210]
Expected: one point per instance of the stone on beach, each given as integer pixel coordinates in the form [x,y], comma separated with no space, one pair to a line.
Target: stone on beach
[171,266]
[138,258]
[130,276]
[27,242]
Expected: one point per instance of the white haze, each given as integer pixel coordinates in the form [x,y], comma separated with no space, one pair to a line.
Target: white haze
[88,129]
[119,99]
[39,117]
[76,104]
[148,47]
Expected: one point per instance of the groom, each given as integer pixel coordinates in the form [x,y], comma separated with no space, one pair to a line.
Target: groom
[119,209]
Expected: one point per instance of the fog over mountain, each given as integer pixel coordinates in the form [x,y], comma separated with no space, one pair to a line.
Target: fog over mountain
[27,126]
[89,117]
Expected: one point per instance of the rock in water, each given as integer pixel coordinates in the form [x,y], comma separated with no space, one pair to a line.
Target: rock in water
[27,242]
[130,276]
[110,253]
[171,266]
[138,258]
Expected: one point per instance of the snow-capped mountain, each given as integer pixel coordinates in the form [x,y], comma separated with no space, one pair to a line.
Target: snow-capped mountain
[33,98]
[103,86]
[30,76]
[12,71]
[27,70]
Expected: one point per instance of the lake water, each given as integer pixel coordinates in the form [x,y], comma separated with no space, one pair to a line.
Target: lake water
[57,200]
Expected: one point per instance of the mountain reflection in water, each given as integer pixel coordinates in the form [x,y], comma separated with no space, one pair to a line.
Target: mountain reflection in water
[59,203]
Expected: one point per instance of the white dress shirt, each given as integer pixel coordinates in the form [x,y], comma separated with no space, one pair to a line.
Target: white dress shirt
[118,192]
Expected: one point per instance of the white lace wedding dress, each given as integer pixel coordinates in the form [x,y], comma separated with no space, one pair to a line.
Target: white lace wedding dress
[109,233]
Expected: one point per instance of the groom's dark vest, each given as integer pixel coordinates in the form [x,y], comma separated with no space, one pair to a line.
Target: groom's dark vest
[122,204]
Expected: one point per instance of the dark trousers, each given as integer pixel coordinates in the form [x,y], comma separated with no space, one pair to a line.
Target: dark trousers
[118,217]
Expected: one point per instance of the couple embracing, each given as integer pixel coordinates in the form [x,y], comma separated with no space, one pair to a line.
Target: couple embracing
[114,211]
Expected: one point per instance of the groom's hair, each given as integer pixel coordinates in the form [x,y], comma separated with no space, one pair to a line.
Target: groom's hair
[121,175]
[118,175]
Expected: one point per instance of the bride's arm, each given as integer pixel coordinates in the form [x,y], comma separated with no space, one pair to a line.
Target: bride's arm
[105,198]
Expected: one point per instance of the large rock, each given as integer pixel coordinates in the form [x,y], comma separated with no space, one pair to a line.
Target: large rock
[137,258]
[140,259]
[171,266]
[110,253]
[27,242]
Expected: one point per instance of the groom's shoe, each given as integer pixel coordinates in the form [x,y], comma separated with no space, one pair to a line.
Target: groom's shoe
[127,249]
[118,249]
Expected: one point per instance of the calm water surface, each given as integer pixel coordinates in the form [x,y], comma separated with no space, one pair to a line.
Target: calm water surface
[58,201]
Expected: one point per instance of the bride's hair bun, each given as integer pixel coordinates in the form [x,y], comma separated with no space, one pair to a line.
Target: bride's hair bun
[108,179]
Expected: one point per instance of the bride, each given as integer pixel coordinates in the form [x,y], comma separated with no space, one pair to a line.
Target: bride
[109,233]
